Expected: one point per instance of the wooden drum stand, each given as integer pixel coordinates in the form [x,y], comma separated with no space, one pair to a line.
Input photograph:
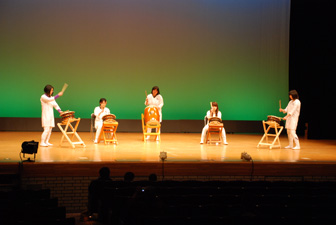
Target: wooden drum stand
[272,122]
[216,129]
[67,119]
[151,120]
[109,128]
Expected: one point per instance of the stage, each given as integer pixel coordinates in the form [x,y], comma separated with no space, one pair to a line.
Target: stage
[68,171]
[185,156]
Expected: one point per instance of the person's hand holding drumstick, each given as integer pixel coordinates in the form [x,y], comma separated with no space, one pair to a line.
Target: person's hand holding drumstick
[63,89]
[212,110]
[280,109]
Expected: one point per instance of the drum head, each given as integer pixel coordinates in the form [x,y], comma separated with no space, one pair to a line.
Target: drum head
[109,117]
[67,113]
[215,119]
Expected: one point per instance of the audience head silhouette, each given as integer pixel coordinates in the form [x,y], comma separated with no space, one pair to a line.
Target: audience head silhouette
[129,176]
[152,177]
[104,173]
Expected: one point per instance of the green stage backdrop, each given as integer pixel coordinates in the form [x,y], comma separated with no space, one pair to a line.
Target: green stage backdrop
[234,52]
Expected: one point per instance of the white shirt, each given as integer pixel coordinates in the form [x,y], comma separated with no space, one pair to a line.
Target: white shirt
[156,101]
[47,105]
[99,118]
[293,110]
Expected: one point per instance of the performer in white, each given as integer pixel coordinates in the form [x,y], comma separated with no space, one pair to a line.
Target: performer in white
[213,112]
[292,119]
[48,122]
[155,99]
[100,111]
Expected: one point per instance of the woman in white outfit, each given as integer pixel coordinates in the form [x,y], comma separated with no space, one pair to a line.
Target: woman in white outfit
[100,111]
[48,122]
[292,119]
[155,99]
[213,112]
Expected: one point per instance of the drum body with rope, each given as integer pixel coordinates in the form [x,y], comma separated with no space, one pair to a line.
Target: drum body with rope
[152,115]
[215,121]
[109,118]
[67,116]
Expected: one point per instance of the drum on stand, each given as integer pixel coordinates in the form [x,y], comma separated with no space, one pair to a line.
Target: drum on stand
[273,122]
[108,133]
[274,119]
[152,115]
[109,118]
[67,116]
[215,129]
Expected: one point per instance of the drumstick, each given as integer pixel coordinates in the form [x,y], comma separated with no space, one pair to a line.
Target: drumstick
[64,87]
[146,101]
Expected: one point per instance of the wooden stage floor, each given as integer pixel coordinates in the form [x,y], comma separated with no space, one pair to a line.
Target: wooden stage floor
[183,149]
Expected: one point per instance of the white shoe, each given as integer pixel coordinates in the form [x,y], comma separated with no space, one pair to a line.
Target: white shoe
[296,148]
[49,144]
[147,138]
[201,142]
[288,147]
[43,145]
[96,142]
[225,143]
[157,139]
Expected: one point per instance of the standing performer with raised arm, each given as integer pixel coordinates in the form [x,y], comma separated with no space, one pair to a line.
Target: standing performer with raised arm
[48,122]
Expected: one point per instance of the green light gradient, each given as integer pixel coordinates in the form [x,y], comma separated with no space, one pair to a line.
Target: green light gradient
[232,52]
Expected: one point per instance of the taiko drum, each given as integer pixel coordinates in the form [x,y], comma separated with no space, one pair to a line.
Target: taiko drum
[152,115]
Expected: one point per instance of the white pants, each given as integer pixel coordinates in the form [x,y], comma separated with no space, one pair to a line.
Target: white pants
[46,135]
[98,126]
[292,137]
[205,130]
